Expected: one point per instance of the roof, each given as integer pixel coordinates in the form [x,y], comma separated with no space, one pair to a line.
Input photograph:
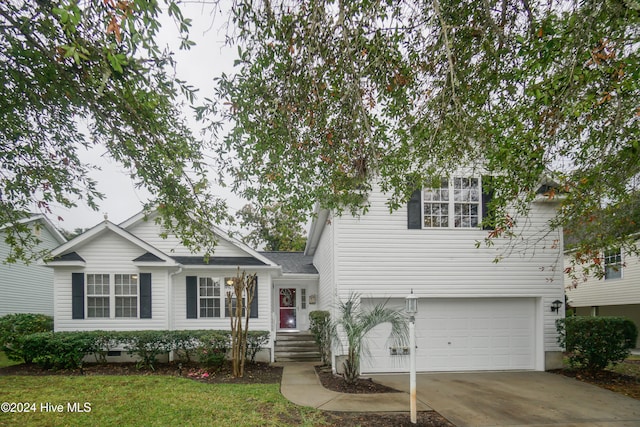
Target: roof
[235,261]
[44,221]
[292,262]
[150,215]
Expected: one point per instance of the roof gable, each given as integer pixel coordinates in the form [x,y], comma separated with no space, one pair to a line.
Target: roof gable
[143,224]
[64,252]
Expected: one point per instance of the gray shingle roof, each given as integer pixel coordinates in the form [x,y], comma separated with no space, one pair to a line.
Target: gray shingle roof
[292,262]
[235,261]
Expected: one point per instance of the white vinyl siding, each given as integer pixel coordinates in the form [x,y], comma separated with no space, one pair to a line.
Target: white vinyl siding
[324,261]
[377,256]
[179,311]
[150,232]
[110,254]
[26,288]
[600,292]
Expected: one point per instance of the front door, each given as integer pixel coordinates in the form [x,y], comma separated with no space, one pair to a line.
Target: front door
[287,298]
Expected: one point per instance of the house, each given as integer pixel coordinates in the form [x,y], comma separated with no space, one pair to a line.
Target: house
[474,314]
[26,288]
[127,277]
[616,293]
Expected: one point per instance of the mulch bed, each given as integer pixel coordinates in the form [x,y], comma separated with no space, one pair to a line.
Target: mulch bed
[255,373]
[361,386]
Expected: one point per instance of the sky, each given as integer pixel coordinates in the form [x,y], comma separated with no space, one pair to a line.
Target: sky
[198,66]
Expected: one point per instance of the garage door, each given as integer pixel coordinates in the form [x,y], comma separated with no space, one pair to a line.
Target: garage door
[461,335]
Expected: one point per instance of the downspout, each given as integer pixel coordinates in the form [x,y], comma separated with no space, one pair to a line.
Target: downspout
[170,321]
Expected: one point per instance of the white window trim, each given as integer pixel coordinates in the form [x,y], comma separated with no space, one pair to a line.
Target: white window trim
[220,297]
[451,202]
[111,295]
[604,265]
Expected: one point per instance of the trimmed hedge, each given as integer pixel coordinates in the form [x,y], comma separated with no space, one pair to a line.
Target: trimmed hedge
[66,350]
[592,343]
[15,326]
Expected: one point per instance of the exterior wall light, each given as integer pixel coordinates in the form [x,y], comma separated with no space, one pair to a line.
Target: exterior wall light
[555,306]
[411,307]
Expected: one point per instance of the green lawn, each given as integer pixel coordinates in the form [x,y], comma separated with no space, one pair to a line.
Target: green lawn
[150,401]
[4,360]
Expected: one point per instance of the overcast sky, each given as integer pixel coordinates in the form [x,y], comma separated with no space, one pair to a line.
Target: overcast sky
[198,66]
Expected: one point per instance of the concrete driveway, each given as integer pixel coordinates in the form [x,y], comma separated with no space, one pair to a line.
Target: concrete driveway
[519,399]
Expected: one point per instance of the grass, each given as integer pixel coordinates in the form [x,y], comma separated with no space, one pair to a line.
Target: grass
[4,361]
[150,400]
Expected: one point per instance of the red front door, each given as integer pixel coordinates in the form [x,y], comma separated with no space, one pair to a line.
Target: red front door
[287,299]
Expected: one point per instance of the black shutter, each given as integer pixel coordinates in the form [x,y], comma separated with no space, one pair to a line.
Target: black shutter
[192,297]
[254,303]
[414,211]
[77,295]
[487,196]
[145,295]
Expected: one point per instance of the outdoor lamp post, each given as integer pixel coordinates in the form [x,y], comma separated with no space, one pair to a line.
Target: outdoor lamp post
[411,308]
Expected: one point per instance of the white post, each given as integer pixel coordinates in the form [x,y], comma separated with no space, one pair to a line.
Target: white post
[412,368]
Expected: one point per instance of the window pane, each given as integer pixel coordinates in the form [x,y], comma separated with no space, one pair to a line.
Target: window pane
[613,265]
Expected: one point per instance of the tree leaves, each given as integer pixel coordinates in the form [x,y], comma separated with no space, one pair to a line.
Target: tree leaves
[328,97]
[67,66]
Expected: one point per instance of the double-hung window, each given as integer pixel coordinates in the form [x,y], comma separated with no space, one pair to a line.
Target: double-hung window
[456,203]
[105,291]
[209,292]
[98,295]
[126,294]
[613,264]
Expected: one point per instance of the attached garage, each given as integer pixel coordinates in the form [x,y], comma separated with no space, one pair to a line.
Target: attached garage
[461,334]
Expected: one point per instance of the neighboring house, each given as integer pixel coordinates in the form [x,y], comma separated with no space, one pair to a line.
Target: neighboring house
[617,293]
[474,314]
[26,288]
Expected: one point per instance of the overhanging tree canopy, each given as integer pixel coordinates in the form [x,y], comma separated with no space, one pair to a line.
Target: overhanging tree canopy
[65,62]
[329,94]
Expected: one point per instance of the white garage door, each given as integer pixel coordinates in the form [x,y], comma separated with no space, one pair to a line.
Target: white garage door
[462,335]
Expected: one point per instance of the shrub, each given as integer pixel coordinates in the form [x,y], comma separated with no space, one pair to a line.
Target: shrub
[57,350]
[147,345]
[214,347]
[320,327]
[255,342]
[15,326]
[101,343]
[186,343]
[592,343]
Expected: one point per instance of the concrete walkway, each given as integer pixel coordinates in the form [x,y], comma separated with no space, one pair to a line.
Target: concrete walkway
[301,385]
[533,399]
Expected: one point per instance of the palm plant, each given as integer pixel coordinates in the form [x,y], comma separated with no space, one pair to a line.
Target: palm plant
[355,322]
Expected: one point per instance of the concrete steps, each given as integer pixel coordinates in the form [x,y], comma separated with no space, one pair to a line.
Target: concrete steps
[296,347]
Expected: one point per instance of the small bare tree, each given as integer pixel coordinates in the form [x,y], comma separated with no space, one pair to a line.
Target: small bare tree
[240,286]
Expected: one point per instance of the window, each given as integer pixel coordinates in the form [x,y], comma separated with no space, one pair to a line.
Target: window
[303,298]
[209,291]
[126,291]
[98,295]
[456,203]
[232,313]
[613,264]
